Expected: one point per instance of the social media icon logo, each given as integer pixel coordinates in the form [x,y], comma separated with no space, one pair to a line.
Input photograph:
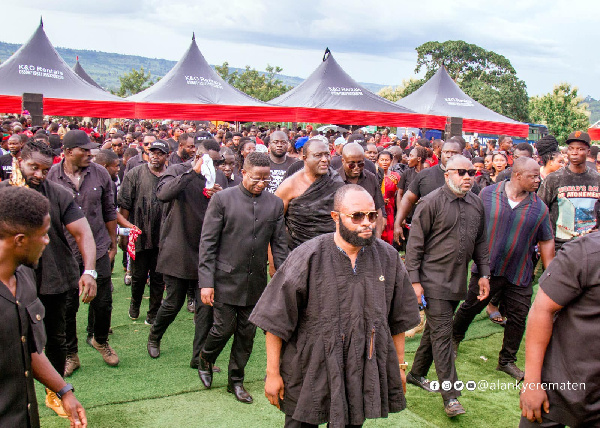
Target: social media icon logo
[434,385]
[446,385]
[471,385]
[459,385]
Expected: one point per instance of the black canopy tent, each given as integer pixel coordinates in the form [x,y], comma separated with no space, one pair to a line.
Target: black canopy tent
[329,94]
[441,96]
[78,69]
[38,69]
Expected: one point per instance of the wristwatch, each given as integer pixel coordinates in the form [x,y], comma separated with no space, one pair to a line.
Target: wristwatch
[404,366]
[91,273]
[488,277]
[68,387]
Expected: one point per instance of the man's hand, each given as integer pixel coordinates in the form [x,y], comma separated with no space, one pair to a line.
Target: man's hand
[74,410]
[484,288]
[207,295]
[403,376]
[216,188]
[418,291]
[198,165]
[112,252]
[398,232]
[531,402]
[274,389]
[87,288]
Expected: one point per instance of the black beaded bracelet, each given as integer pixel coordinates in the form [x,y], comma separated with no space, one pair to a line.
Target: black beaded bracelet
[68,387]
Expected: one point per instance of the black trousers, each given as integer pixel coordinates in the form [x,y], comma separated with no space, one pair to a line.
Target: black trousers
[101,307]
[436,345]
[55,323]
[546,423]
[292,423]
[171,305]
[144,265]
[516,301]
[231,320]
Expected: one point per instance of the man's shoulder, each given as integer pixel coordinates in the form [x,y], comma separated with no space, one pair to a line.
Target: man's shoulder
[52,190]
[306,249]
[432,196]
[6,159]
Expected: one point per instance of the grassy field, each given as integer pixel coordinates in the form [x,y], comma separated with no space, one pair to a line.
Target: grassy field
[166,392]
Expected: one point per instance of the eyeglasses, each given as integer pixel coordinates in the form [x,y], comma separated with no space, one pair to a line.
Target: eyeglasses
[358,217]
[353,164]
[321,155]
[462,172]
[258,180]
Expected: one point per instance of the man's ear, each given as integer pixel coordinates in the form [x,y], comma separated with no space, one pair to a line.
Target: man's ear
[20,240]
[335,216]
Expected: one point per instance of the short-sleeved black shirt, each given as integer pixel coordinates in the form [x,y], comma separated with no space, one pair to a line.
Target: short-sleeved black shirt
[278,171]
[5,166]
[58,270]
[573,280]
[427,180]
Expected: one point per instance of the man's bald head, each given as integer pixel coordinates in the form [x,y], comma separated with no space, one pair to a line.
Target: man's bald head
[459,162]
[524,164]
[347,192]
[458,178]
[278,136]
[352,149]
[525,175]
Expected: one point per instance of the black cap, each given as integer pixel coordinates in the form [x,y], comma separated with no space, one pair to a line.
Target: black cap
[203,135]
[357,138]
[584,137]
[78,138]
[159,145]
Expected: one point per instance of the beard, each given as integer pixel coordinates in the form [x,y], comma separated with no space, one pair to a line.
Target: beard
[457,189]
[352,238]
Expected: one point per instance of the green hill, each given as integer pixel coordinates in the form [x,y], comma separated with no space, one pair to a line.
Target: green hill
[105,67]
[594,108]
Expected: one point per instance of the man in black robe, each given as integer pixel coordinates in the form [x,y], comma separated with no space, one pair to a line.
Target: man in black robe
[335,314]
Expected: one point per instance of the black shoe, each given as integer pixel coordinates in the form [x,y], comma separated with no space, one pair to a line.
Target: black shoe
[88,340]
[153,348]
[421,382]
[205,372]
[191,306]
[149,321]
[194,365]
[453,408]
[240,393]
[511,369]
[134,312]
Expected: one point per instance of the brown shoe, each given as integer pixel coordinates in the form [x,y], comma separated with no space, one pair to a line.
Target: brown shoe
[108,354]
[54,403]
[71,364]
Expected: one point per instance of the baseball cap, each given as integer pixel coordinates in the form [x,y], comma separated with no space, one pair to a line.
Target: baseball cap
[78,138]
[300,142]
[160,145]
[356,138]
[203,135]
[584,137]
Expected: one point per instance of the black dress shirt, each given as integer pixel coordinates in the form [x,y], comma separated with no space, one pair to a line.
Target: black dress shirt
[237,230]
[446,233]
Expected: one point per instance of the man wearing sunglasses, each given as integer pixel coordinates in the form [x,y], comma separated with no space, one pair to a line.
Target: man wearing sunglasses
[247,218]
[335,316]
[448,230]
[142,157]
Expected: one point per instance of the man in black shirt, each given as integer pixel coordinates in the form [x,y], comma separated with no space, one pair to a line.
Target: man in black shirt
[24,226]
[185,151]
[183,189]
[138,203]
[93,190]
[424,183]
[142,157]
[58,271]
[448,230]
[280,161]
[248,219]
[15,145]
[562,352]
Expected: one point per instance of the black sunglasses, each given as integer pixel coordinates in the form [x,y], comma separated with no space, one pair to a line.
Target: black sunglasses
[462,171]
[359,216]
[353,164]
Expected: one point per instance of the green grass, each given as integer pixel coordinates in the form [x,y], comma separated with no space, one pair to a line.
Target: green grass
[166,392]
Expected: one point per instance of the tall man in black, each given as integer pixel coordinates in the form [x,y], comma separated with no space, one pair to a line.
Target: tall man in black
[280,161]
[448,230]
[92,188]
[15,144]
[24,226]
[138,203]
[58,271]
[183,191]
[247,219]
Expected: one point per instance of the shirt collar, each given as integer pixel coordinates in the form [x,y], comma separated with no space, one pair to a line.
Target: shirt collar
[449,193]
[247,192]
[84,171]
[342,174]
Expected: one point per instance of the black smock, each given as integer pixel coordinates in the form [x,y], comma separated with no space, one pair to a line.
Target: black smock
[338,360]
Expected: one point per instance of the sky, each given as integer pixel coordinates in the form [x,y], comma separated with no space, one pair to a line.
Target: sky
[547,42]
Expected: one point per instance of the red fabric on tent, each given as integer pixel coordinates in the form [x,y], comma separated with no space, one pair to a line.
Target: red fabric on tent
[66,107]
[594,133]
[495,128]
[10,104]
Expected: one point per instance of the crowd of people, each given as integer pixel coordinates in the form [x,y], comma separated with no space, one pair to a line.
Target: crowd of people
[368,238]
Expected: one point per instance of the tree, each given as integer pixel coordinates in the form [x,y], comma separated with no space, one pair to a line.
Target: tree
[134,82]
[486,76]
[562,111]
[408,86]
[263,86]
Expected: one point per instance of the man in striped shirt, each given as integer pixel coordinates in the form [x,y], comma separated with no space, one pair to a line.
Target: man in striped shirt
[516,220]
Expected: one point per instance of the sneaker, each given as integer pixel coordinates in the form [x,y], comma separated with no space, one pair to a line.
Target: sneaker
[71,364]
[134,312]
[453,408]
[108,354]
[54,403]
[511,369]
[421,382]
[191,306]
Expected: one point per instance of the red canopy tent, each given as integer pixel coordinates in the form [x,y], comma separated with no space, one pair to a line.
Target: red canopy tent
[37,68]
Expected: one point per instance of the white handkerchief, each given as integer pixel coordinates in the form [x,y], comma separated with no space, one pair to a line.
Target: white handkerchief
[208,171]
